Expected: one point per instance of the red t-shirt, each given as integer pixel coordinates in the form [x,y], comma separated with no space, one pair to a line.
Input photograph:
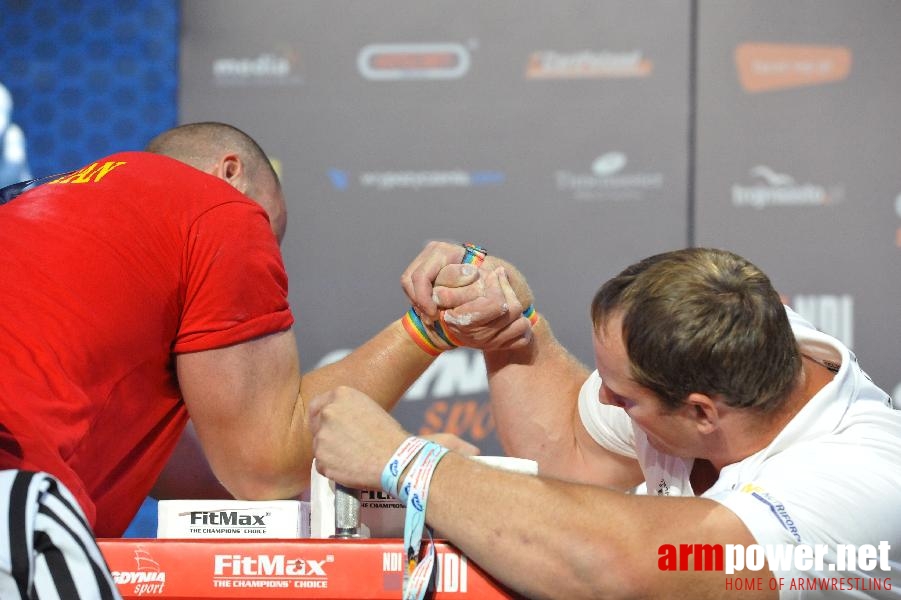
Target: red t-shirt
[105,275]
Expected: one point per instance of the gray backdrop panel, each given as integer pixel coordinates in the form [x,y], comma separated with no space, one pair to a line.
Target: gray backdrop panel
[559,135]
[819,160]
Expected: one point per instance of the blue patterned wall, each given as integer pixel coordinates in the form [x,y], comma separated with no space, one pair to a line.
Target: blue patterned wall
[89,78]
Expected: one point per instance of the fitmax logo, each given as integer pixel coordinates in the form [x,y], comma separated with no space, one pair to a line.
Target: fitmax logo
[208,517]
[233,565]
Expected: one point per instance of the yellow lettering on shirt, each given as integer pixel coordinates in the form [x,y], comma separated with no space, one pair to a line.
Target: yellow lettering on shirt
[92,173]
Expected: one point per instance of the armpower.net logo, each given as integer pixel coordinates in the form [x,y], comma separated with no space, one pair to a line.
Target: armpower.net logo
[772,67]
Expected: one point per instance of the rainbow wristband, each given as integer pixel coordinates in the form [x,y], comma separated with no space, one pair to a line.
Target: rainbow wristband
[440,328]
[474,254]
[416,330]
[531,314]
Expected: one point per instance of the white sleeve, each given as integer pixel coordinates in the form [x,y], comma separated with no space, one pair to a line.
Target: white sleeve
[827,495]
[608,425]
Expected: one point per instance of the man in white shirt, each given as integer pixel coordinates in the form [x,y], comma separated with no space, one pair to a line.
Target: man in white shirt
[755,435]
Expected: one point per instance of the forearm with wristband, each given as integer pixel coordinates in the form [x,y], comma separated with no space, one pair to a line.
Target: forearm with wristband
[419,332]
[414,494]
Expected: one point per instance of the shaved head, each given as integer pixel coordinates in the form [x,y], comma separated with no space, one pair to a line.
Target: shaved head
[203,145]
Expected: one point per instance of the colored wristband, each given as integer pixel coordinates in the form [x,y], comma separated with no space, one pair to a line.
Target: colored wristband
[402,457]
[419,474]
[442,331]
[415,494]
[531,314]
[474,255]
[415,328]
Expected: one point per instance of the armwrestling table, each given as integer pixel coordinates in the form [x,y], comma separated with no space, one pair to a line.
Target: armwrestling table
[327,569]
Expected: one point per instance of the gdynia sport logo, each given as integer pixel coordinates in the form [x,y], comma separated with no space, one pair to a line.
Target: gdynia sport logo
[863,567]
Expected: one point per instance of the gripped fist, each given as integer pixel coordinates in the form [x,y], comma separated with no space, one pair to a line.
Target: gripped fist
[419,278]
[353,437]
[485,314]
[478,307]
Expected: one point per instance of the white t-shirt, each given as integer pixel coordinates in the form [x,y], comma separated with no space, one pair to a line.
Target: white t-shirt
[832,476]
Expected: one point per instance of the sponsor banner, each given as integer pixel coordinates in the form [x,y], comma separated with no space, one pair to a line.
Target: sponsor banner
[426,133]
[233,519]
[771,67]
[609,180]
[770,188]
[266,69]
[396,62]
[791,161]
[830,313]
[392,181]
[587,64]
[323,569]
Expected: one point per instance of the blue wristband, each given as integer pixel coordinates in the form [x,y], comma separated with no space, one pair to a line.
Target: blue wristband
[415,494]
[404,454]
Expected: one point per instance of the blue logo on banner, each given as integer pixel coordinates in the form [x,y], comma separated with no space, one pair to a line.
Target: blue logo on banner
[339,179]
[486,177]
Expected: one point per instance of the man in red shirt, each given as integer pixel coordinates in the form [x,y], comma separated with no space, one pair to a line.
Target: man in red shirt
[139,290]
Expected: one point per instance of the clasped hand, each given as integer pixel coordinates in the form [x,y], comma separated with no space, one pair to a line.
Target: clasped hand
[353,436]
[477,305]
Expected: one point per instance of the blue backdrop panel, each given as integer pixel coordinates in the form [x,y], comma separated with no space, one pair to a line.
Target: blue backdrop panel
[88,78]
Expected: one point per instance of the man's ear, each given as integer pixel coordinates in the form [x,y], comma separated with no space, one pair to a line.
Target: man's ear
[230,168]
[704,411]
